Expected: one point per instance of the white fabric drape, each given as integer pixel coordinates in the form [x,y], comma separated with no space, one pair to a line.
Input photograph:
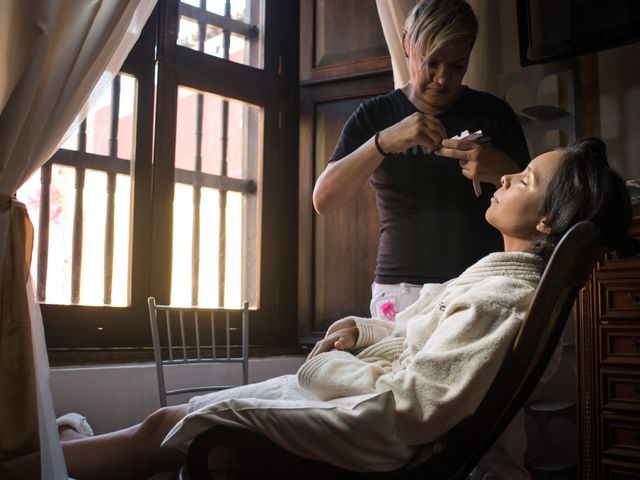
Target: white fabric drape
[392,15]
[53,55]
[484,65]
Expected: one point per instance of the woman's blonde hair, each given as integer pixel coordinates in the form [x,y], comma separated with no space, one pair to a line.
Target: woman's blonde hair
[433,23]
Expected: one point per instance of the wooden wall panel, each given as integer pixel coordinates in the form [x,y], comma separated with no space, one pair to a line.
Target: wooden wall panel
[352,44]
[346,241]
[341,39]
[343,60]
[337,252]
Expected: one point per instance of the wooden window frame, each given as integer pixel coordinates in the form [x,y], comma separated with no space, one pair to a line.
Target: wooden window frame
[122,333]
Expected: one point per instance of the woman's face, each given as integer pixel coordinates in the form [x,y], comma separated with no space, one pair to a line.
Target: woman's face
[436,83]
[514,207]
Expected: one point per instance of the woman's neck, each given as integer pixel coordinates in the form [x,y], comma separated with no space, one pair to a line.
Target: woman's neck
[424,107]
[420,104]
[512,244]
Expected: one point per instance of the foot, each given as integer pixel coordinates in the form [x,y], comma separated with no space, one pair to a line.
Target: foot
[73,426]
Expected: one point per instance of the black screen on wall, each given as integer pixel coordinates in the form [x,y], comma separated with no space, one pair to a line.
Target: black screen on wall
[554,29]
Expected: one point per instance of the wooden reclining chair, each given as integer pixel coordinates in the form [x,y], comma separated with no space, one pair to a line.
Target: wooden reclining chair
[454,455]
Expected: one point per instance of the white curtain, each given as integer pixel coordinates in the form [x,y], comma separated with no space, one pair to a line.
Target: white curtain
[53,54]
[392,16]
[484,65]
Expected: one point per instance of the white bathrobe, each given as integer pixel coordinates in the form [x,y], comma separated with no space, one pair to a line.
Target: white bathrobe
[405,384]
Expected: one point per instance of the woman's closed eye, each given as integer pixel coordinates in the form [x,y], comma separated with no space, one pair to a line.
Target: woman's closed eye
[523,181]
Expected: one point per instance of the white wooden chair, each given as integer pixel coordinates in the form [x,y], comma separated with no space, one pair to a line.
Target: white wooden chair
[192,335]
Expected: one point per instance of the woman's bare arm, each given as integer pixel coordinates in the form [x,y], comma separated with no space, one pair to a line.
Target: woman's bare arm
[341,180]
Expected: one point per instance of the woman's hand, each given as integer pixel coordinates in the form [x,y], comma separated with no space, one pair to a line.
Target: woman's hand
[416,129]
[341,181]
[479,161]
[341,335]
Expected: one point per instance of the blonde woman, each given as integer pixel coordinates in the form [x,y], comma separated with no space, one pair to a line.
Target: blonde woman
[432,222]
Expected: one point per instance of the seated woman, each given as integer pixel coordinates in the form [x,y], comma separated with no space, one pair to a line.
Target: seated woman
[371,390]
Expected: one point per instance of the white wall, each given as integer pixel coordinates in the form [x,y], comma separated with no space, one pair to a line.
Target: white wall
[619,77]
[118,396]
[496,49]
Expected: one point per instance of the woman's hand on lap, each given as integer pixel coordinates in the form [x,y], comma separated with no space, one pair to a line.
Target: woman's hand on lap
[341,335]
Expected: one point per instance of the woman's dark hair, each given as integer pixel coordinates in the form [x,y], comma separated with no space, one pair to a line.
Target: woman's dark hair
[585,187]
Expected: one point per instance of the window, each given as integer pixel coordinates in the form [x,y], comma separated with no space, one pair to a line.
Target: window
[214,203]
[223,29]
[178,184]
[80,205]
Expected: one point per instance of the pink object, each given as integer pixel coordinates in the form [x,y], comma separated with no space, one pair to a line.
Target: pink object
[388,309]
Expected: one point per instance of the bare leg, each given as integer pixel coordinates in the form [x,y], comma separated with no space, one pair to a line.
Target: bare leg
[133,453]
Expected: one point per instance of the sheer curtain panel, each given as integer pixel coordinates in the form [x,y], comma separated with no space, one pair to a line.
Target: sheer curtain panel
[52,55]
[392,15]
